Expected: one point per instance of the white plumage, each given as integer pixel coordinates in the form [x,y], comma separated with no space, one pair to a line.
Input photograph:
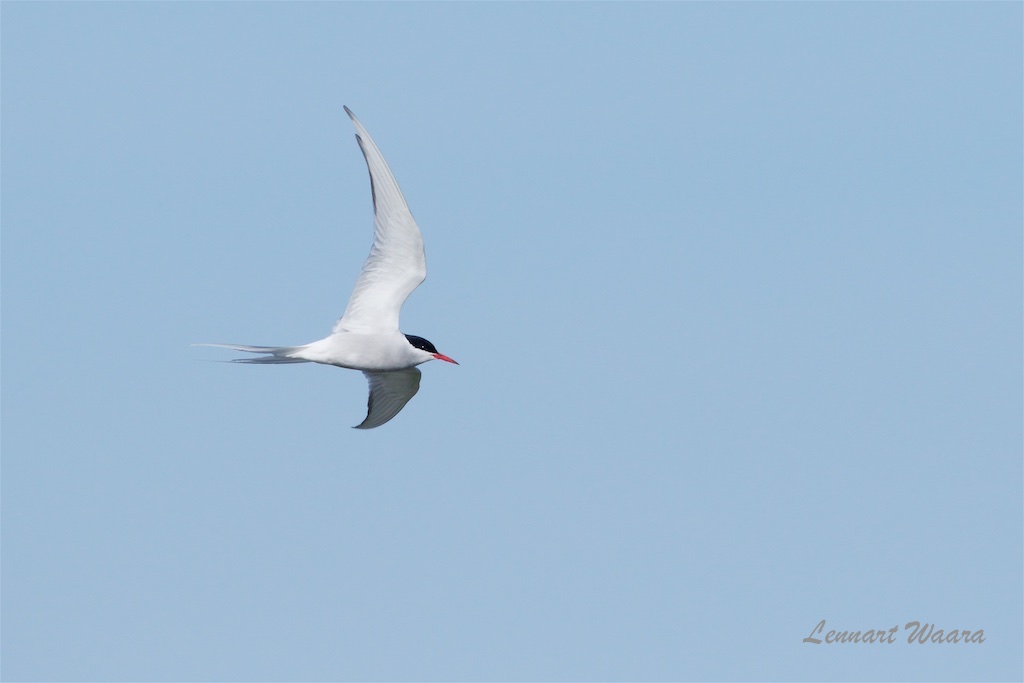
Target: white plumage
[366,337]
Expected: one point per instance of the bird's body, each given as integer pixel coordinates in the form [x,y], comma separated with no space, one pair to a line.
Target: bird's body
[367,337]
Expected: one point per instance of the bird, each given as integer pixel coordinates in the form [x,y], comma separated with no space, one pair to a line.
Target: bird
[367,337]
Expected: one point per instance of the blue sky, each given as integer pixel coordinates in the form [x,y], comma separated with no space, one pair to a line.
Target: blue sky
[736,290]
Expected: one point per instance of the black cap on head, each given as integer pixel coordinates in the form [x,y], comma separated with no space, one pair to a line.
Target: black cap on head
[421,343]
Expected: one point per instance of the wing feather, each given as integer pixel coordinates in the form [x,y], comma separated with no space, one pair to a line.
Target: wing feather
[396,264]
[389,392]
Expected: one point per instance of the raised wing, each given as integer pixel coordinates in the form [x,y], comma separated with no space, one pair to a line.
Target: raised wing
[389,392]
[396,264]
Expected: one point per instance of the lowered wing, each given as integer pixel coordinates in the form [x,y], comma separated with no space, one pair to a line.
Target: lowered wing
[389,392]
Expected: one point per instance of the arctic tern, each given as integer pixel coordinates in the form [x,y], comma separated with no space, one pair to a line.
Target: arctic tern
[366,337]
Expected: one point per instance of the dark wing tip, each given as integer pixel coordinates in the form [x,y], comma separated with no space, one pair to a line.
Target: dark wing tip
[369,411]
[362,425]
[349,112]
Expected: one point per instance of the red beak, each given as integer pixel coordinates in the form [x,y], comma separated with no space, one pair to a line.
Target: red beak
[441,356]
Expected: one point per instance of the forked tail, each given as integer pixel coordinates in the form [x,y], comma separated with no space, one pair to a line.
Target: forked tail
[277,354]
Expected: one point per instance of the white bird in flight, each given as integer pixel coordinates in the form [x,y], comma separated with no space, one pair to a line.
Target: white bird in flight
[366,337]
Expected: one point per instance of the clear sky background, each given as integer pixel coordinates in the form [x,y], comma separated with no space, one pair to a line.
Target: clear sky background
[736,290]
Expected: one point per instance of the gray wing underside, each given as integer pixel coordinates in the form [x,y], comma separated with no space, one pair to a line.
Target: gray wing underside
[396,264]
[389,392]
